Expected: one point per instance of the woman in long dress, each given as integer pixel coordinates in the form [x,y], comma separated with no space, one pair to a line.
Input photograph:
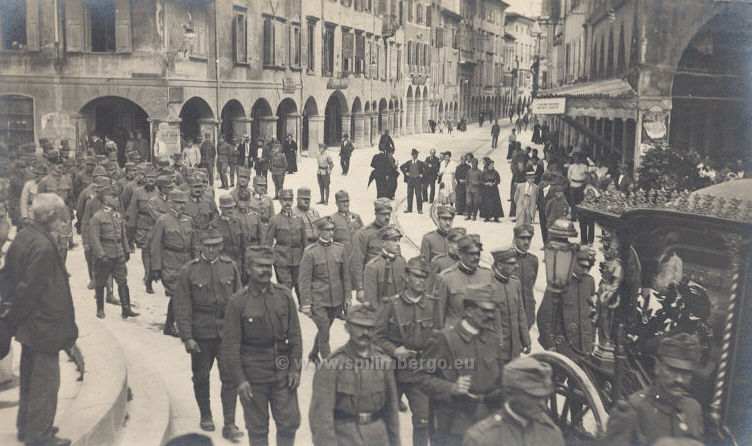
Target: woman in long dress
[446,182]
[490,206]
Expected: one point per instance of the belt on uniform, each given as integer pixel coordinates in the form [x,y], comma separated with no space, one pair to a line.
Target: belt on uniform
[181,250]
[114,240]
[359,418]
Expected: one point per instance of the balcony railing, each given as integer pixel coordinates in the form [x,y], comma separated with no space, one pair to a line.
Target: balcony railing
[389,26]
[339,81]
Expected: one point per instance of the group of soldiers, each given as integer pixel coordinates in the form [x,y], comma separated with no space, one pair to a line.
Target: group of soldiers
[438,328]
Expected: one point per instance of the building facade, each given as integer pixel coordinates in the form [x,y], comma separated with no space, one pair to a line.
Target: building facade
[637,74]
[180,69]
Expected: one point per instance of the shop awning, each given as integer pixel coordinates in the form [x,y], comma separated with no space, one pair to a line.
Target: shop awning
[610,99]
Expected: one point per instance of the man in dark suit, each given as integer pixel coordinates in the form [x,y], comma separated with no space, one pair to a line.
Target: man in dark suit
[414,172]
[432,173]
[208,155]
[245,155]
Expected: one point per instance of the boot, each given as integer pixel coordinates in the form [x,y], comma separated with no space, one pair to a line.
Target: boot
[259,439]
[285,438]
[111,293]
[125,302]
[326,200]
[169,326]
[149,289]
[99,295]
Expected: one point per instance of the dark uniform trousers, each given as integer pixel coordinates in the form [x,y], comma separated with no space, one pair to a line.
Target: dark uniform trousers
[283,403]
[201,365]
[323,317]
[39,384]
[289,233]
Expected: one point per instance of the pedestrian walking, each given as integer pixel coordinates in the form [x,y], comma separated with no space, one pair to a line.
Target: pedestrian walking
[446,179]
[435,243]
[386,143]
[241,191]
[354,401]
[474,187]
[290,149]
[224,152]
[260,202]
[383,275]
[495,130]
[250,222]
[527,384]
[208,156]
[346,223]
[200,206]
[367,244]
[204,287]
[490,200]
[41,310]
[262,351]
[380,173]
[287,234]
[232,160]
[512,140]
[278,165]
[433,164]
[460,176]
[325,286]
[413,172]
[307,214]
[345,152]
[323,174]
[526,199]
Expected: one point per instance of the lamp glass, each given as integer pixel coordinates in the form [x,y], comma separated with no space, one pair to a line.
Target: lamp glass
[559,258]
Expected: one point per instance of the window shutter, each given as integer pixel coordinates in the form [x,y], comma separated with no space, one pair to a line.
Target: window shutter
[268,42]
[123,41]
[280,44]
[74,26]
[32,25]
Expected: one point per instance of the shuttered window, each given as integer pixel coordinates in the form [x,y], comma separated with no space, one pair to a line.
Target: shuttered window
[19,25]
[360,53]
[294,46]
[268,42]
[347,51]
[123,37]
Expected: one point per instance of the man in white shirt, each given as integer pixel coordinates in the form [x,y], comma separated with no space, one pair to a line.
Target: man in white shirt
[192,154]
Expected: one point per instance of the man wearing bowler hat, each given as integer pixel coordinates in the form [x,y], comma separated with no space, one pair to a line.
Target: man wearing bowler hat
[287,234]
[384,274]
[435,242]
[325,288]
[354,400]
[306,213]
[522,421]
[665,409]
[262,351]
[205,285]
[413,171]
[512,322]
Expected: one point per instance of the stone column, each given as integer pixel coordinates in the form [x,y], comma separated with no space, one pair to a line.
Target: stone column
[241,126]
[426,115]
[267,127]
[358,136]
[346,121]
[315,133]
[409,117]
[418,105]
[390,122]
[366,129]
[384,118]
[292,124]
[399,117]
[375,128]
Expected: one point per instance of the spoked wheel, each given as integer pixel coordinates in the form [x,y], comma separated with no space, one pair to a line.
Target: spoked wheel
[575,405]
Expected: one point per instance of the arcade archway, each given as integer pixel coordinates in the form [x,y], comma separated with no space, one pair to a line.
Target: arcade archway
[336,107]
[196,119]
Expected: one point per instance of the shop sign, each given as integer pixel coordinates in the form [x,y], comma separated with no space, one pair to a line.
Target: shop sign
[549,106]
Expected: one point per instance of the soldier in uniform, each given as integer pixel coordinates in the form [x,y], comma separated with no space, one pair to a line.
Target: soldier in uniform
[200,206]
[30,190]
[384,274]
[260,202]
[90,207]
[262,351]
[665,409]
[346,223]
[137,180]
[527,268]
[354,401]
[85,178]
[109,250]
[451,283]
[287,234]
[57,181]
[172,246]
[449,258]
[512,327]
[231,229]
[466,392]
[435,242]
[307,214]
[139,221]
[278,166]
[84,197]
[205,286]
[572,335]
[232,161]
[253,230]
[405,323]
[325,288]
[241,191]
[367,244]
[223,160]
[527,385]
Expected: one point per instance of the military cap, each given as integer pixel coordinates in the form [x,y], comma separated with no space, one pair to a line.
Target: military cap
[164,181]
[106,190]
[40,169]
[455,234]
[467,242]
[445,210]
[324,223]
[163,161]
[362,314]
[101,181]
[53,155]
[211,236]
[258,180]
[260,254]
[341,195]
[524,230]
[418,265]
[91,161]
[304,192]
[150,171]
[226,201]
[286,193]
[382,205]
[506,254]
[178,195]
[562,228]
[167,170]
[99,171]
[389,232]
[681,351]
[585,254]
[244,172]
[481,294]
[528,375]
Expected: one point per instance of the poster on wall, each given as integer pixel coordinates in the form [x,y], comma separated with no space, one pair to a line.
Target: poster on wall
[169,134]
[549,106]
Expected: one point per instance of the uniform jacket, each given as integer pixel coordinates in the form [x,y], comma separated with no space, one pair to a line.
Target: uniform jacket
[433,244]
[202,210]
[450,290]
[309,218]
[383,277]
[233,240]
[366,245]
[62,185]
[278,163]
[645,416]
[262,205]
[260,328]
[574,324]
[556,208]
[241,193]
[224,153]
[253,229]
[139,216]
[540,430]
[91,207]
[324,279]
[511,323]
[203,290]
[439,264]
[289,233]
[40,296]
[345,227]
[107,234]
[208,152]
[172,244]
[347,388]
[126,194]
[527,272]
[402,322]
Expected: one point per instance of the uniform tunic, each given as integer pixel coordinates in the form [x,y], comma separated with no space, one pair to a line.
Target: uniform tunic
[450,290]
[351,386]
[514,430]
[572,334]
[365,246]
[511,323]
[139,215]
[383,277]
[439,264]
[202,210]
[309,217]
[324,279]
[527,272]
[172,246]
[434,244]
[233,240]
[287,233]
